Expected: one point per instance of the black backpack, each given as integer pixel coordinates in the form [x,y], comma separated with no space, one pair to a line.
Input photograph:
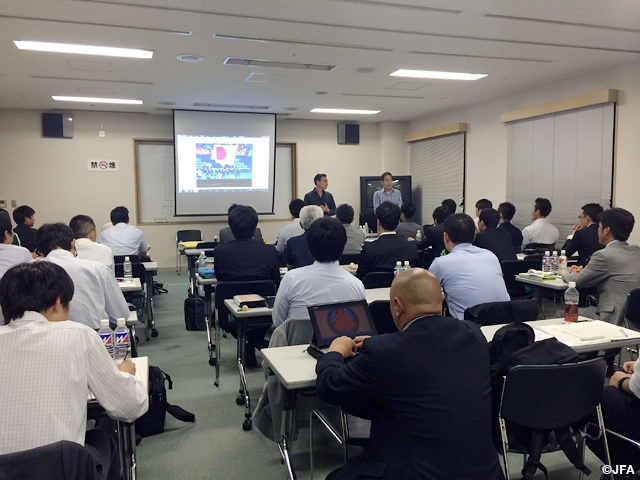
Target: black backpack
[152,422]
[194,313]
[512,345]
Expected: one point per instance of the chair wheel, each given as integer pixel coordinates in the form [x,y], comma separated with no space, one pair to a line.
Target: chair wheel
[240,400]
[212,361]
[247,424]
[154,333]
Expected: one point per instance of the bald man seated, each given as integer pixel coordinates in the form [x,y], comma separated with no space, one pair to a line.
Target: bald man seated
[425,389]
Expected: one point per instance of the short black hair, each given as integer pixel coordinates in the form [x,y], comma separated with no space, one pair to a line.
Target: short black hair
[5,226]
[507,210]
[21,213]
[326,238]
[483,203]
[82,226]
[53,235]
[490,217]
[451,204]
[243,221]
[620,221]
[441,213]
[345,213]
[318,177]
[384,175]
[408,209]
[593,211]
[232,207]
[460,228]
[543,205]
[388,214]
[34,286]
[295,206]
[119,215]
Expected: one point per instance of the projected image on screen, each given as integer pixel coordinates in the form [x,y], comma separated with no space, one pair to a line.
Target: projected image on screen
[224,165]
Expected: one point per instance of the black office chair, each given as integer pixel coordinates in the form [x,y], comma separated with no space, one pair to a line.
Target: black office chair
[345,428]
[348,258]
[539,248]
[281,262]
[632,317]
[382,318]
[57,461]
[224,291]
[378,279]
[497,313]
[511,268]
[546,397]
[185,236]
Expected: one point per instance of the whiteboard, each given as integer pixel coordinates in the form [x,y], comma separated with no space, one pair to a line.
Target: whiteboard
[155,185]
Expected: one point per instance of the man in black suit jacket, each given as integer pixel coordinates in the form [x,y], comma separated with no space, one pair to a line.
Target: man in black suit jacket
[584,236]
[430,416]
[24,216]
[226,234]
[507,211]
[433,235]
[245,259]
[490,238]
[382,254]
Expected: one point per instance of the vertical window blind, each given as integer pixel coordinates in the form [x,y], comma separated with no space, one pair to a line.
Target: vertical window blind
[566,157]
[437,172]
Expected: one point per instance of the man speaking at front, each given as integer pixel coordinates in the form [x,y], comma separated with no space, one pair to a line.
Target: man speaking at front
[425,388]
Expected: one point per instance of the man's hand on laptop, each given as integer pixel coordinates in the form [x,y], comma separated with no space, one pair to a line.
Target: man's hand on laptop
[344,346]
[360,340]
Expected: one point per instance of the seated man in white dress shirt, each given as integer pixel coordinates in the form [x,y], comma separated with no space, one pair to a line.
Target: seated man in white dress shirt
[97,294]
[122,238]
[10,255]
[324,281]
[84,230]
[49,364]
[540,231]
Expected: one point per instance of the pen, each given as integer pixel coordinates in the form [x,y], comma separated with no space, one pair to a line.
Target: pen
[125,356]
[623,332]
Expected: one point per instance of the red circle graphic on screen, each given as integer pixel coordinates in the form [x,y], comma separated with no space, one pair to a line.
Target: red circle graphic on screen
[221,153]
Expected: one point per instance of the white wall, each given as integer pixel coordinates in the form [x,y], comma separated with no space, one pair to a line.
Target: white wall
[51,175]
[487,138]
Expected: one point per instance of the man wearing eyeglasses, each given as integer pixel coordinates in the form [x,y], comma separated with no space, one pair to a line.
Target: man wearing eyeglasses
[584,236]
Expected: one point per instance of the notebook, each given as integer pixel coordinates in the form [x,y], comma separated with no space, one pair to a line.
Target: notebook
[334,320]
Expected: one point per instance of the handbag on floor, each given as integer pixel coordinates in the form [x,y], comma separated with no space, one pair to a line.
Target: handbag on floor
[194,313]
[152,422]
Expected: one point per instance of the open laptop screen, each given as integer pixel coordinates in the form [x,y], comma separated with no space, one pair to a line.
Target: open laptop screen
[337,319]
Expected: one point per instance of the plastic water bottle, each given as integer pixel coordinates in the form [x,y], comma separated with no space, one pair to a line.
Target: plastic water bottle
[106,335]
[366,228]
[407,266]
[202,260]
[126,266]
[562,263]
[571,303]
[546,265]
[398,268]
[122,344]
[554,262]
[418,236]
[215,238]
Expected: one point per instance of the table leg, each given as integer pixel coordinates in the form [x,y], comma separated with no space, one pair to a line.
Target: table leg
[149,305]
[243,391]
[289,408]
[127,449]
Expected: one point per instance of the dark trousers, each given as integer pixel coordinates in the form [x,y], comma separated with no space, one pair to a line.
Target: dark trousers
[103,448]
[621,413]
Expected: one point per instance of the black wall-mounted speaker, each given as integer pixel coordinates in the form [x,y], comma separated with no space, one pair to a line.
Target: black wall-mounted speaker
[348,134]
[57,125]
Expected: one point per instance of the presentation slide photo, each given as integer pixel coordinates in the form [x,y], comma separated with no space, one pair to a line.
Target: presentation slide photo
[224,165]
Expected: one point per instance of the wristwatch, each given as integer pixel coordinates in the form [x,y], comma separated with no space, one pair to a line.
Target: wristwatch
[621,381]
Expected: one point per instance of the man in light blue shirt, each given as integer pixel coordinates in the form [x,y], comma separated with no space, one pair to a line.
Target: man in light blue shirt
[325,281]
[122,238]
[388,193]
[469,275]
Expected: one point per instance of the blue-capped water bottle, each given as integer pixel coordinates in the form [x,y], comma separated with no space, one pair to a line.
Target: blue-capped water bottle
[122,347]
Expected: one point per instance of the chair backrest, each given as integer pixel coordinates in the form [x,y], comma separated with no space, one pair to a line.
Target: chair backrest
[281,262]
[225,290]
[63,459]
[382,318]
[377,279]
[137,271]
[539,247]
[348,258]
[188,235]
[120,259]
[632,309]
[511,268]
[293,331]
[496,313]
[545,397]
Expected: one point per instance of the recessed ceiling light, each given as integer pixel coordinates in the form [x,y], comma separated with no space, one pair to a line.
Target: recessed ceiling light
[83,49]
[344,110]
[437,75]
[96,100]
[190,58]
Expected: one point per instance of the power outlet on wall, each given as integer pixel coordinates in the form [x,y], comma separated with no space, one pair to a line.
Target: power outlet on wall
[14,204]
[3,204]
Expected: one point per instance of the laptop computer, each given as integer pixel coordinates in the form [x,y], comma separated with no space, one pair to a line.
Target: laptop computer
[333,320]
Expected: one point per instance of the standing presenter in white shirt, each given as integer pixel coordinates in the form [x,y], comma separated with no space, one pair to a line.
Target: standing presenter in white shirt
[49,364]
[84,231]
